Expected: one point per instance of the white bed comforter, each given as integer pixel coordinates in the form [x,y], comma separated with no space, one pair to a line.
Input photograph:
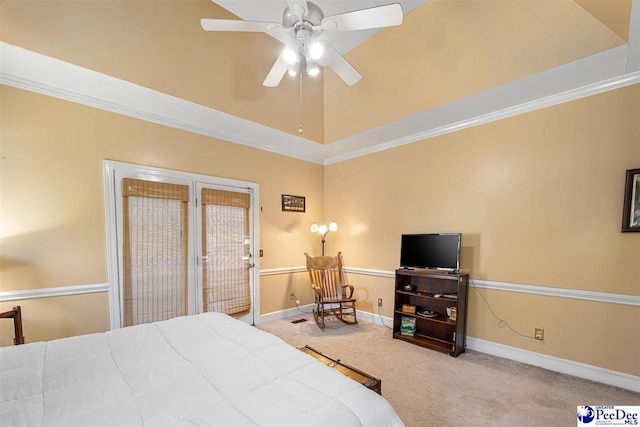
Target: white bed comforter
[208,369]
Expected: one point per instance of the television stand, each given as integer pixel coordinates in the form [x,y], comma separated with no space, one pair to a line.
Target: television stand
[432,292]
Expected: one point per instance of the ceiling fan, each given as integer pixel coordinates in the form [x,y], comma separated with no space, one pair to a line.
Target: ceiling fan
[303,24]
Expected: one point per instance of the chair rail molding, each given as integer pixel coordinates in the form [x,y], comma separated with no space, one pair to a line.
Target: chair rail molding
[578,294]
[59,291]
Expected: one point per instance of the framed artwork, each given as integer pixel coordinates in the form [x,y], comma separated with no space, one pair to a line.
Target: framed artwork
[293,203]
[631,210]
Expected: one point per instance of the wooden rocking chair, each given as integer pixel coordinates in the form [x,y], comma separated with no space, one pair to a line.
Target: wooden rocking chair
[16,315]
[332,295]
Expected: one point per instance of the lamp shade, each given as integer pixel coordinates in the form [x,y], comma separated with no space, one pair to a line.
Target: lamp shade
[314,228]
[333,226]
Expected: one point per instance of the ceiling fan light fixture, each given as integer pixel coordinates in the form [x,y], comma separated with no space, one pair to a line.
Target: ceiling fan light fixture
[290,55]
[313,69]
[293,69]
[316,50]
[303,26]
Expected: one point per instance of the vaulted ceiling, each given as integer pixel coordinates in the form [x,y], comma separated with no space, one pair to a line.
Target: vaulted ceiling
[450,65]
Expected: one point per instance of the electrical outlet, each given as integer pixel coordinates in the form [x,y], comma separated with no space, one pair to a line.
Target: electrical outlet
[261,253]
[539,335]
[292,296]
[379,302]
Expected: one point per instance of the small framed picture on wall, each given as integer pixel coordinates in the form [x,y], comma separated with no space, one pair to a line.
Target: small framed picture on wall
[293,203]
[631,210]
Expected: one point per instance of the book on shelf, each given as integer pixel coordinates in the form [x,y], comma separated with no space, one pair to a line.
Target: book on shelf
[408,326]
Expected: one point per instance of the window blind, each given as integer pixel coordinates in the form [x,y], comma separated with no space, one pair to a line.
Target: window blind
[154,251]
[226,251]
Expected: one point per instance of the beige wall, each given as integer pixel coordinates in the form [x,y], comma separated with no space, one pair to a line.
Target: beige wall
[57,317]
[538,198]
[52,212]
[447,50]
[613,13]
[160,45]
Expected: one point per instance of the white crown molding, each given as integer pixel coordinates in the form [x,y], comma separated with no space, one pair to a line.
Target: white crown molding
[38,73]
[579,79]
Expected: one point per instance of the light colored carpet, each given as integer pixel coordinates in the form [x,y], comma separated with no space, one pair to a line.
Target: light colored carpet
[429,388]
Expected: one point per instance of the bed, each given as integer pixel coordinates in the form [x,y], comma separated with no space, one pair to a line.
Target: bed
[207,369]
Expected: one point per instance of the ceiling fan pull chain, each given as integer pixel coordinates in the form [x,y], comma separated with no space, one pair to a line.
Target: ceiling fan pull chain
[300,105]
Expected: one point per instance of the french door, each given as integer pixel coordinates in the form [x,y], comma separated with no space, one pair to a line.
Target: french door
[226,259]
[179,244]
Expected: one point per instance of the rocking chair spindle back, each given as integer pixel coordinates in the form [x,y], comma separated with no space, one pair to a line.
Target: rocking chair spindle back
[333,296]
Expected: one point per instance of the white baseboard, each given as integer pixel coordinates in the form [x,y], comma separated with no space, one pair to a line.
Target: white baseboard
[563,366]
[375,319]
[284,314]
[307,309]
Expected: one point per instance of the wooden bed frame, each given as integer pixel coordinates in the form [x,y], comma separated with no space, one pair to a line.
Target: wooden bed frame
[16,315]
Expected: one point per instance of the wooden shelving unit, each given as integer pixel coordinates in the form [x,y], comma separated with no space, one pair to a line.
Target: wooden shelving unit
[434,291]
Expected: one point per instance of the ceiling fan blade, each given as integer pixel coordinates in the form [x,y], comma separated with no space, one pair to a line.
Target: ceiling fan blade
[277,72]
[236,25]
[283,35]
[277,31]
[376,17]
[339,64]
[298,7]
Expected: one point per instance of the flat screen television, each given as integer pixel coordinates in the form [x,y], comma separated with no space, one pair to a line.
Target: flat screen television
[439,251]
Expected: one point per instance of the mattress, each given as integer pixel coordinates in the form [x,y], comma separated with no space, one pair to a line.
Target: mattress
[208,369]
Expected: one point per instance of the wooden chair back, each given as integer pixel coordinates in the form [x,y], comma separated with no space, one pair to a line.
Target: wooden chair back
[16,315]
[327,277]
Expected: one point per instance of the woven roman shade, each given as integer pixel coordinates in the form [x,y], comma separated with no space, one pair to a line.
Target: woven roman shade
[226,251]
[155,231]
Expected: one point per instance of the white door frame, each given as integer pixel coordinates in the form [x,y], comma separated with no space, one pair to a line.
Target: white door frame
[113,171]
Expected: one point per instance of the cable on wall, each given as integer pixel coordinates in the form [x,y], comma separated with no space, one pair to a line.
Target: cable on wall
[501,322]
[301,310]
[382,320]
